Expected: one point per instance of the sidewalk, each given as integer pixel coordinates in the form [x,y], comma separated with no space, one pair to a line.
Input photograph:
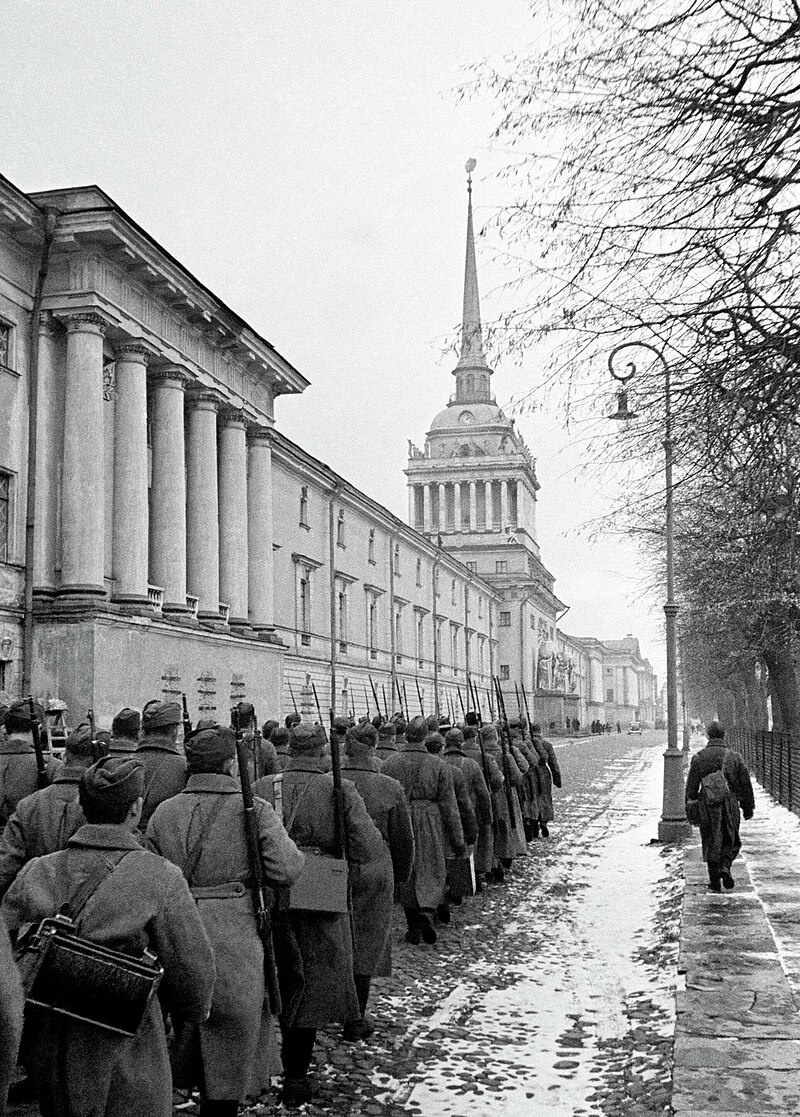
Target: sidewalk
[737,1035]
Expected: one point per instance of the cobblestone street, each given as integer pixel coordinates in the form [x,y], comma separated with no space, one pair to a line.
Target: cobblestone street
[553,994]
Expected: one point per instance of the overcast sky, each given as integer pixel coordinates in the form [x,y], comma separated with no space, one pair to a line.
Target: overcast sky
[306,162]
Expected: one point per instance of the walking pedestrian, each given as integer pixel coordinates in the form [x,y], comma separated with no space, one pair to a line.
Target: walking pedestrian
[44,821]
[718,784]
[202,831]
[324,940]
[18,770]
[428,786]
[549,776]
[373,884]
[139,902]
[164,767]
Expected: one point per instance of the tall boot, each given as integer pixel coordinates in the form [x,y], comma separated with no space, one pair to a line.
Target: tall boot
[218,1108]
[413,934]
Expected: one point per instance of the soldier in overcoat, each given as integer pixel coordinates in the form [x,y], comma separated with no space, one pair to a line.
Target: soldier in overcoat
[202,831]
[164,767]
[509,838]
[142,903]
[125,732]
[263,758]
[454,754]
[324,940]
[44,821]
[18,771]
[387,739]
[428,785]
[279,739]
[493,777]
[373,884]
[549,775]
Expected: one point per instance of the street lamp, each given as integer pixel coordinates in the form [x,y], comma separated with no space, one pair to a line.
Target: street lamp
[673,825]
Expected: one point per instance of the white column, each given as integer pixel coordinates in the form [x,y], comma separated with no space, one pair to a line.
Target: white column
[168,488]
[259,529]
[130,514]
[426,509]
[521,505]
[83,487]
[202,508]
[488,502]
[49,416]
[473,507]
[233,514]
[457,523]
[412,506]
[442,508]
[503,505]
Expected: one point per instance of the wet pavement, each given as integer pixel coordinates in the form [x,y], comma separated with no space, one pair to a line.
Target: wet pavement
[552,994]
[737,1042]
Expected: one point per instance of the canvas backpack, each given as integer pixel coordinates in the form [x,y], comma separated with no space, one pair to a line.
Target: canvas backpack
[716,786]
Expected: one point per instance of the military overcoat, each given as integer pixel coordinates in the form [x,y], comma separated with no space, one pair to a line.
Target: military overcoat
[145,903]
[41,824]
[165,772]
[18,773]
[324,940]
[481,804]
[234,1043]
[428,786]
[493,778]
[548,774]
[374,883]
[509,841]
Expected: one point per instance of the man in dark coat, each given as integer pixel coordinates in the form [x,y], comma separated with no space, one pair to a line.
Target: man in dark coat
[80,1070]
[164,767]
[202,831]
[387,740]
[719,821]
[263,758]
[434,743]
[12,1002]
[125,732]
[478,792]
[18,771]
[493,778]
[373,885]
[44,821]
[428,785]
[305,793]
[549,776]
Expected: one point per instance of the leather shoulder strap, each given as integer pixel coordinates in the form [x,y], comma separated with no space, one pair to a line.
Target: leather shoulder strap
[80,898]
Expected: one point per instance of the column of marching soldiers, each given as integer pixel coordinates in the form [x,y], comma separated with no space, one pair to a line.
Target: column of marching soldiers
[184,906]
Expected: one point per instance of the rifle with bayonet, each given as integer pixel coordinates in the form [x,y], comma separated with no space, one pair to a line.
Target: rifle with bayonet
[36,734]
[419,696]
[405,702]
[291,695]
[257,886]
[375,696]
[505,742]
[484,762]
[319,709]
[187,721]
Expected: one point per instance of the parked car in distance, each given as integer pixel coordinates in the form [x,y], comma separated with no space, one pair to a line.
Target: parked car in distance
[635,727]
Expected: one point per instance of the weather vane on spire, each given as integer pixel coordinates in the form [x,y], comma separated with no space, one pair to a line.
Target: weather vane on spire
[470,166]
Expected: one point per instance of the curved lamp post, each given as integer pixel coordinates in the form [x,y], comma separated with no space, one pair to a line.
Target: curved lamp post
[673,825]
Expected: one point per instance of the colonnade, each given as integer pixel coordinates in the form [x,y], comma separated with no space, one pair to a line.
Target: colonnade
[443,506]
[191,513]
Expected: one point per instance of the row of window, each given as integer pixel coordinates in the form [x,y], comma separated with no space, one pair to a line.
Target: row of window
[501,566]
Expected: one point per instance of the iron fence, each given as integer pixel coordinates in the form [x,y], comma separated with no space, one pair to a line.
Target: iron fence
[774,760]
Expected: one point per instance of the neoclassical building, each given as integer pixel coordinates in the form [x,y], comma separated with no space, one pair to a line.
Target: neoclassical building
[169,540]
[177,543]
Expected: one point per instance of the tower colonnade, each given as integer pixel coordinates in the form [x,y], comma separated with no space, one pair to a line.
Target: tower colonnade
[465,506]
[190,498]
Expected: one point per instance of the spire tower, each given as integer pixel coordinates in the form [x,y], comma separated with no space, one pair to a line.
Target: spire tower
[472,372]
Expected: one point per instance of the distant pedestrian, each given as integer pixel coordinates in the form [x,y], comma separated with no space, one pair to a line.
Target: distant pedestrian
[717,785]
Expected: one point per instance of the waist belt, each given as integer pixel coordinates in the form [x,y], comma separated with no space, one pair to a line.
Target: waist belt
[229,890]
